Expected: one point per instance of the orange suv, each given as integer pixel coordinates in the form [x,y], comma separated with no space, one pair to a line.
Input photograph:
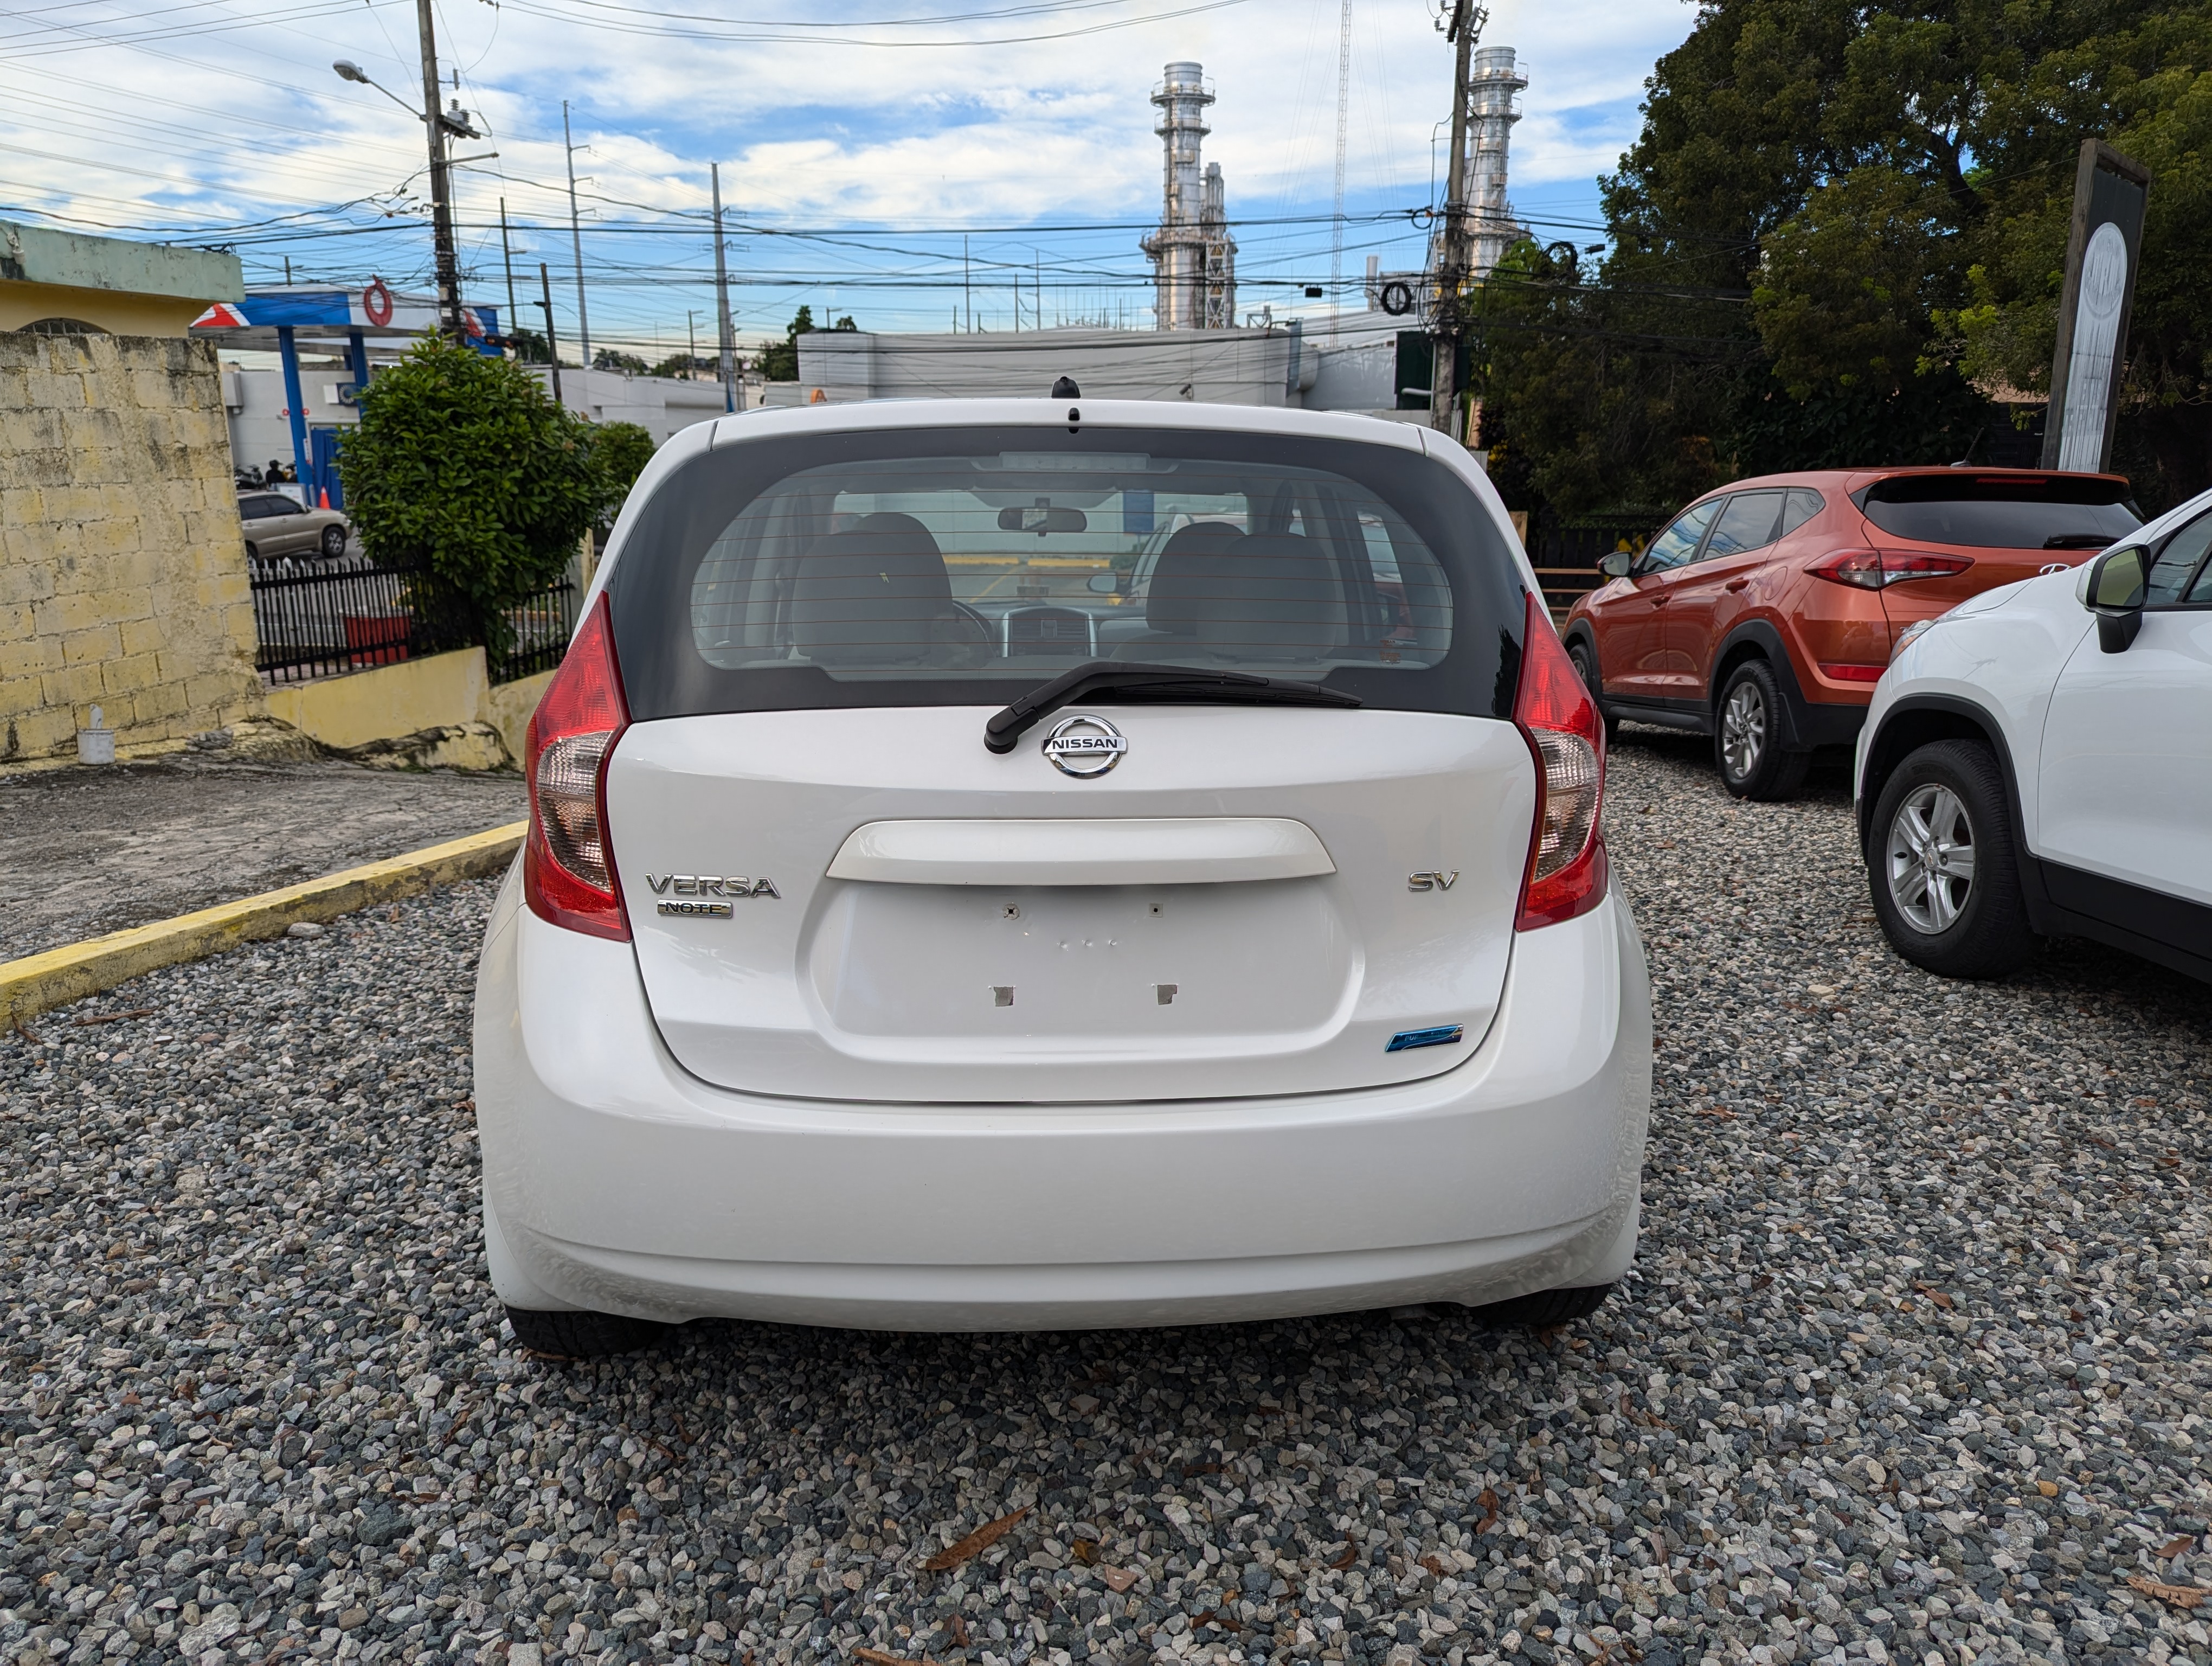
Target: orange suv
[1765,612]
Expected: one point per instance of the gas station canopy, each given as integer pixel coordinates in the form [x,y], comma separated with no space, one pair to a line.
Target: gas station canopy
[374,313]
[275,318]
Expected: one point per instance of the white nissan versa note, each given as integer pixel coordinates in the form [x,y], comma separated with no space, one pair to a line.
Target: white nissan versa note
[923,925]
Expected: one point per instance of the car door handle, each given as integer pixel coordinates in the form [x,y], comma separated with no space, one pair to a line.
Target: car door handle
[1735,584]
[1660,601]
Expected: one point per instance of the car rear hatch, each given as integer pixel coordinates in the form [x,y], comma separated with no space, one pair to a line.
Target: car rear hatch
[933,925]
[838,891]
[1946,536]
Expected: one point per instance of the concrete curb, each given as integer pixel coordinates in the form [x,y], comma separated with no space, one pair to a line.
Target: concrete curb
[39,982]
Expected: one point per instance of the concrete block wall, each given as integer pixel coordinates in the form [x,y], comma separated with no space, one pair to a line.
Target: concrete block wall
[123,578]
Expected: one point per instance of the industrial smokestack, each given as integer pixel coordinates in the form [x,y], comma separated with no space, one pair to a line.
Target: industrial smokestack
[1194,257]
[1491,86]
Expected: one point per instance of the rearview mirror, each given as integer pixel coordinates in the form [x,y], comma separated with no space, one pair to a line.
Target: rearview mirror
[1105,583]
[1040,519]
[1616,565]
[2115,592]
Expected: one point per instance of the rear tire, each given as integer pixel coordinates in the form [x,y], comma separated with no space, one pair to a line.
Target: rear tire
[1545,1308]
[585,1335]
[1585,663]
[334,542]
[1956,918]
[1747,738]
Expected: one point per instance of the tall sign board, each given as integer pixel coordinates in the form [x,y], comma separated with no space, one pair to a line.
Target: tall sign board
[2101,256]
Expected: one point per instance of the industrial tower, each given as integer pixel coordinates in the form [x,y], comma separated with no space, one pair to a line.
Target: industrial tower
[1491,89]
[1194,257]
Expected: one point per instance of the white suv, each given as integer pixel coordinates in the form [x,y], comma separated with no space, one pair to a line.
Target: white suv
[2038,761]
[870,964]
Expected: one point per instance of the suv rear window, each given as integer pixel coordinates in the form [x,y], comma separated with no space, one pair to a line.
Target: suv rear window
[2002,512]
[949,566]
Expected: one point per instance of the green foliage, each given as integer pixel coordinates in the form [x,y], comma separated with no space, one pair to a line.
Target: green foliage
[462,466]
[620,451]
[608,358]
[529,346]
[686,364]
[779,360]
[1838,223]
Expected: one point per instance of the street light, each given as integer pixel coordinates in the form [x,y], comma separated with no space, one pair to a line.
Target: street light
[436,124]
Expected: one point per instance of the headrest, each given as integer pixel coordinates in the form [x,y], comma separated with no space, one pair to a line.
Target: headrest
[1275,596]
[870,594]
[1168,600]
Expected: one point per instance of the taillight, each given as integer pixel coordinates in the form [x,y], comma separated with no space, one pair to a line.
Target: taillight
[567,866]
[1552,708]
[1849,673]
[1872,570]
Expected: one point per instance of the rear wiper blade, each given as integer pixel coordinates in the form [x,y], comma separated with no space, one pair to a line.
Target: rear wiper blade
[1163,683]
[2075,541]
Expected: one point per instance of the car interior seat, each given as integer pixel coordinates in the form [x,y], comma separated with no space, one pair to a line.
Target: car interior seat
[1276,597]
[1170,619]
[878,594]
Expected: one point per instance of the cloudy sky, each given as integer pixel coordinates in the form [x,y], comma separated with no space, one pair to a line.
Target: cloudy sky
[900,161]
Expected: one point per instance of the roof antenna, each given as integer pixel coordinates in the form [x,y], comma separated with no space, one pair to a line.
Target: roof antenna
[1065,388]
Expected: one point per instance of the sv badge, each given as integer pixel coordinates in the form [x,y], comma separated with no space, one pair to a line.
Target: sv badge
[1432,880]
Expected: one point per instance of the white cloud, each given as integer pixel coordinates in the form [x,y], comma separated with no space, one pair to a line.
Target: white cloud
[251,122]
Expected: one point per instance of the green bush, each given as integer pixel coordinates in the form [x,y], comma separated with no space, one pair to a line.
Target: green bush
[464,470]
[620,451]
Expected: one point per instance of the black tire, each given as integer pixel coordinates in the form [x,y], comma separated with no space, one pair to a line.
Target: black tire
[252,552]
[1544,1308]
[1979,930]
[334,542]
[585,1335]
[1747,737]
[1585,662]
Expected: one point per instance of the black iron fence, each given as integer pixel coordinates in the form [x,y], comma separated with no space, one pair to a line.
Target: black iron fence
[320,619]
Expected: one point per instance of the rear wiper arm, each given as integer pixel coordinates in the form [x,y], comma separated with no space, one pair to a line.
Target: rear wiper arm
[1151,683]
[2075,541]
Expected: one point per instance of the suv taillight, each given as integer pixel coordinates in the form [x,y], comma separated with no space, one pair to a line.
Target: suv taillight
[1871,569]
[567,866]
[1554,711]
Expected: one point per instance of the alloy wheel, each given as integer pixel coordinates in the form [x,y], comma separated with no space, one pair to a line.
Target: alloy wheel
[1743,729]
[1930,858]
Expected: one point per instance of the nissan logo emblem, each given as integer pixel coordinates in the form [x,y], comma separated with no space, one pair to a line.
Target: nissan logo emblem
[1084,746]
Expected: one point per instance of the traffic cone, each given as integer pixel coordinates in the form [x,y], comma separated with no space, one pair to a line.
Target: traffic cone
[325,497]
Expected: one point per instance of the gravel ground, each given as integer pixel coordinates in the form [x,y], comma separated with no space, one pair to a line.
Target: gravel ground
[1915,1364]
[86,851]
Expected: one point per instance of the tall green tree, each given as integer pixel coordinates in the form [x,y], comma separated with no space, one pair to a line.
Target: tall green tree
[1842,225]
[463,468]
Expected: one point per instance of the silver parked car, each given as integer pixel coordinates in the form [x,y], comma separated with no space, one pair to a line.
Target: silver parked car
[276,526]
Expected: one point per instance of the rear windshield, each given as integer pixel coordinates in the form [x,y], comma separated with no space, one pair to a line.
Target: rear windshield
[951,566]
[2031,512]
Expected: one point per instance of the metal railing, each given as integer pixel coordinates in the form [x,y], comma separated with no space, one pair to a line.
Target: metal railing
[323,618]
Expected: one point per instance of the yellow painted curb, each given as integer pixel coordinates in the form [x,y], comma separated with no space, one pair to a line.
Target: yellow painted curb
[38,982]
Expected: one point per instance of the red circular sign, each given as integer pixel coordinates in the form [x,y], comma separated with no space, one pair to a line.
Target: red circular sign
[376,301]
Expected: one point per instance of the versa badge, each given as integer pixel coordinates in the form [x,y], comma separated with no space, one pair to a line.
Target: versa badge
[692,891]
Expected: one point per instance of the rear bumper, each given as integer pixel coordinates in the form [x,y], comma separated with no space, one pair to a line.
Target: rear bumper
[615,1181]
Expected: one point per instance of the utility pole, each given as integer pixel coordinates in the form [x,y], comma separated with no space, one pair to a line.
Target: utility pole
[576,233]
[552,347]
[442,189]
[1466,21]
[507,260]
[1343,124]
[725,338]
[967,292]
